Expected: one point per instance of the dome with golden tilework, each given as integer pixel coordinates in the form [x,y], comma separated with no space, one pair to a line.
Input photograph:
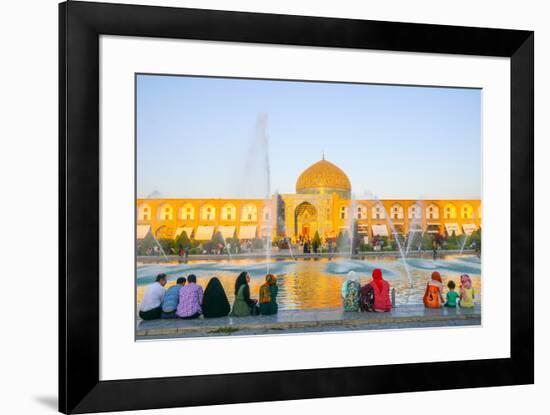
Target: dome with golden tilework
[323,177]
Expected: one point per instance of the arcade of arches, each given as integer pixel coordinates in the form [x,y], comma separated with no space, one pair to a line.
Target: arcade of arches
[322,203]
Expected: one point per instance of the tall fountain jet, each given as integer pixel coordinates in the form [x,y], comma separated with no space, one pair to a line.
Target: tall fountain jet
[399,246]
[351,223]
[161,250]
[464,239]
[226,247]
[415,229]
[263,139]
[279,220]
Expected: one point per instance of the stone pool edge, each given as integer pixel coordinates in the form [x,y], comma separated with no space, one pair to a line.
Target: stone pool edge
[325,320]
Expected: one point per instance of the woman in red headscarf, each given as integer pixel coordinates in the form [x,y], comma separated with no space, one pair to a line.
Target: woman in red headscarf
[381,290]
[433,297]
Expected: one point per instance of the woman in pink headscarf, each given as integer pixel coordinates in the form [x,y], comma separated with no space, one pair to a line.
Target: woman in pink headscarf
[381,291]
[467,293]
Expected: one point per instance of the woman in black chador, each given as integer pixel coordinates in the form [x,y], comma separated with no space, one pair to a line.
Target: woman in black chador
[214,302]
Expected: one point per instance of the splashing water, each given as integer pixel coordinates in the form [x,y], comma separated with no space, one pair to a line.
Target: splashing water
[400,248]
[290,248]
[279,222]
[263,139]
[351,224]
[227,248]
[463,243]
[421,239]
[160,247]
[415,228]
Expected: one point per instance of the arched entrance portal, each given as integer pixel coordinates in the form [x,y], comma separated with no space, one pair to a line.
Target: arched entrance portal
[305,221]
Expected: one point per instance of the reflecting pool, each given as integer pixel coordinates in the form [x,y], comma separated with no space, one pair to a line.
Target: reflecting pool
[315,282]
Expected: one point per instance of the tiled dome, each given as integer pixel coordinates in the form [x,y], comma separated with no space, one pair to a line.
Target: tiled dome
[323,177]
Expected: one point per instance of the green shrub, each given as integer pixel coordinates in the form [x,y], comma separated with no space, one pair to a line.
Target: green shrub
[462,240]
[280,218]
[235,244]
[342,242]
[146,243]
[182,242]
[316,243]
[427,241]
[365,248]
[258,243]
[452,241]
[475,237]
[166,245]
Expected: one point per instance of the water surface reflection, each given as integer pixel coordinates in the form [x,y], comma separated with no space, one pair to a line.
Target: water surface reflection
[315,282]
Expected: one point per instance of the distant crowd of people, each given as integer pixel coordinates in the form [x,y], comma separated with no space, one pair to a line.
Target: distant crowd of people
[375,296]
[187,300]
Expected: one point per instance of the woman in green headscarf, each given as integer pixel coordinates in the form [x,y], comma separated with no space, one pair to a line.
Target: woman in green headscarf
[268,295]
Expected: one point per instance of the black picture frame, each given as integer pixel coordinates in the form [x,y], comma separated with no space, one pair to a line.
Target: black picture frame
[80,26]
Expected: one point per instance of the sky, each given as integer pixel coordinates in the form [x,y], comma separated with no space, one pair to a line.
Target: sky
[201,137]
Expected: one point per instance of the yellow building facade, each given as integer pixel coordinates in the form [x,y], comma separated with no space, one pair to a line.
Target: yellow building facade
[322,203]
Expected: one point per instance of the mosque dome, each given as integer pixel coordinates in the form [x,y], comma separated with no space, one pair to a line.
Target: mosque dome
[323,177]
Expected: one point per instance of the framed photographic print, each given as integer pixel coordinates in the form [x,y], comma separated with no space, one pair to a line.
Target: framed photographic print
[313,206]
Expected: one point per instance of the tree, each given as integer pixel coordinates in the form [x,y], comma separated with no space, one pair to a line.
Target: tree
[365,247]
[280,211]
[475,237]
[427,241]
[356,240]
[398,240]
[215,244]
[235,244]
[342,242]
[461,240]
[147,243]
[218,239]
[167,245]
[452,241]
[385,245]
[316,243]
[182,242]
[257,243]
[150,243]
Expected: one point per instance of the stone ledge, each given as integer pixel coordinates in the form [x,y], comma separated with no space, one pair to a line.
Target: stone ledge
[296,319]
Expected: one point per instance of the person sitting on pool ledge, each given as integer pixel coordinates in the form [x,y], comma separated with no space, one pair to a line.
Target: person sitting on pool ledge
[452,295]
[467,292]
[243,305]
[433,298]
[171,299]
[351,292]
[190,301]
[150,307]
[215,302]
[268,295]
[381,287]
